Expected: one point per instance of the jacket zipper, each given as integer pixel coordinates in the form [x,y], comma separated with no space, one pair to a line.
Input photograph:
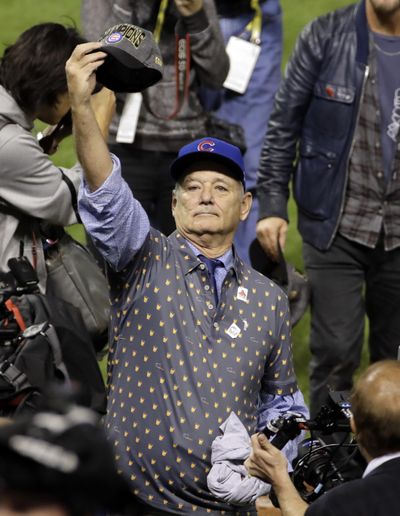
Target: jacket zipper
[366,73]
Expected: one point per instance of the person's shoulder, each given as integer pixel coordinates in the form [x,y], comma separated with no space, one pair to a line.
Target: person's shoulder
[17,146]
[331,22]
[344,500]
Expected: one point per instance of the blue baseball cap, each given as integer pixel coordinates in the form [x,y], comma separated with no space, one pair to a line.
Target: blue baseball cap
[210,149]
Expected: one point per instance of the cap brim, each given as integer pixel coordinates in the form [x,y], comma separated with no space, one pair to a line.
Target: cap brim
[123,57]
[123,73]
[180,166]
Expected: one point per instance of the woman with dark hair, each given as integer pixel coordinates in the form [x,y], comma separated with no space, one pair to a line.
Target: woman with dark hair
[32,190]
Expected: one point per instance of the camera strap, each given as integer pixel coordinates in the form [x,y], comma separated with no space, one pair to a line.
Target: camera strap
[182,78]
[182,66]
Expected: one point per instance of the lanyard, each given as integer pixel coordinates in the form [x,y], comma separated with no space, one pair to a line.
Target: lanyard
[160,20]
[255,24]
[182,66]
[182,78]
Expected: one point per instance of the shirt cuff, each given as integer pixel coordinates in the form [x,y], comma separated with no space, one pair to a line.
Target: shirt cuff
[110,186]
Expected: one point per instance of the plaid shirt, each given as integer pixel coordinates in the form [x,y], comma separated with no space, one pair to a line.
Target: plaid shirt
[372,205]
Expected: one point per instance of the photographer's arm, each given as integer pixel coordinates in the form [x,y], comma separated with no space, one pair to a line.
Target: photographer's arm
[268,463]
[90,128]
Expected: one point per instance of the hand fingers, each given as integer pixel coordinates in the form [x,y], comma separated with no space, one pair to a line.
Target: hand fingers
[86,49]
[86,55]
[263,441]
[282,238]
[270,231]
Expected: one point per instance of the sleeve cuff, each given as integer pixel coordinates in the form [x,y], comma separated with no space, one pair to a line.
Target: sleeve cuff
[110,185]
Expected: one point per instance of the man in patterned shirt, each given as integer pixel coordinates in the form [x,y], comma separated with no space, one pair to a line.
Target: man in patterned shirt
[188,347]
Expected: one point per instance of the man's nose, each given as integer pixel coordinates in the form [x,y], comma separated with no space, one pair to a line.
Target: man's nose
[206,194]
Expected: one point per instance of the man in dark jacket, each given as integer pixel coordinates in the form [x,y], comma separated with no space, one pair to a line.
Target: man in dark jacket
[335,129]
[376,423]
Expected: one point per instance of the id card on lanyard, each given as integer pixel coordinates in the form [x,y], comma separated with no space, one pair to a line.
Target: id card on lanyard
[243,54]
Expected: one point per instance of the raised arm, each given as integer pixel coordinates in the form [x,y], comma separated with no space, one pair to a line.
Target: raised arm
[90,126]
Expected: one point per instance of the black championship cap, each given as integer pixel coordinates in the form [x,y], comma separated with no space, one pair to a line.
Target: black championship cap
[134,60]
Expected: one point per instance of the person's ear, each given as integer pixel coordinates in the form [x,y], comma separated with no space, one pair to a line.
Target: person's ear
[173,200]
[246,203]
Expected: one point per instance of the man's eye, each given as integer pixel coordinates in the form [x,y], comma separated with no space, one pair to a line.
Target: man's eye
[221,188]
[192,187]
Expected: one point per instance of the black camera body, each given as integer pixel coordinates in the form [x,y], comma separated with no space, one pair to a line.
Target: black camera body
[329,457]
[22,279]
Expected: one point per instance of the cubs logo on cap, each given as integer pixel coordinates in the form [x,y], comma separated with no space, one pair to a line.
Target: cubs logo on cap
[212,150]
[134,60]
[206,146]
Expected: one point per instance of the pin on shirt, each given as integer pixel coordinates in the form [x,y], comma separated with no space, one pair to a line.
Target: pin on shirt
[233,331]
[242,294]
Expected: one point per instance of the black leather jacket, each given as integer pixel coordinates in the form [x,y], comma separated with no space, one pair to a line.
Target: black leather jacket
[312,126]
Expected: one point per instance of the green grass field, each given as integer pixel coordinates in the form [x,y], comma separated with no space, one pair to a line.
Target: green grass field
[17,15]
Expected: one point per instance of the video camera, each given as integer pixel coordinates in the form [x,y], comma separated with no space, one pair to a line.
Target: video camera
[319,465]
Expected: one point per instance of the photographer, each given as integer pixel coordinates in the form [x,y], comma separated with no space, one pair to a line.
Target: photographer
[33,87]
[376,424]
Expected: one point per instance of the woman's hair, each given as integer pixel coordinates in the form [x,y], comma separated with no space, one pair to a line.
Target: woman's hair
[32,70]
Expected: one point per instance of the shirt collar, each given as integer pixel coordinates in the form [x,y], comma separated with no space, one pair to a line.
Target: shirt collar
[230,259]
[226,258]
[378,461]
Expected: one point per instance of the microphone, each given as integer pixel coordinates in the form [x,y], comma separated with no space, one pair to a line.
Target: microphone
[284,428]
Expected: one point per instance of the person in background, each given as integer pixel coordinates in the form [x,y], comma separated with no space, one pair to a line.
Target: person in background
[31,187]
[334,130]
[195,333]
[171,114]
[33,87]
[258,22]
[375,404]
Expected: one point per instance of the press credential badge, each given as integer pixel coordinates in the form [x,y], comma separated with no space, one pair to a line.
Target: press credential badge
[243,57]
[129,118]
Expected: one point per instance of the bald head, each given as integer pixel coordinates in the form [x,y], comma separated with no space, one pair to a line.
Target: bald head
[376,408]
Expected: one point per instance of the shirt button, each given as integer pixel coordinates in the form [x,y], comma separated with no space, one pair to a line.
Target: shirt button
[377,145]
[202,266]
[210,306]
[216,325]
[206,287]
[380,175]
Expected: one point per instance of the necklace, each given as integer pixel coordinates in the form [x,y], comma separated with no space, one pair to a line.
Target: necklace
[397,53]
